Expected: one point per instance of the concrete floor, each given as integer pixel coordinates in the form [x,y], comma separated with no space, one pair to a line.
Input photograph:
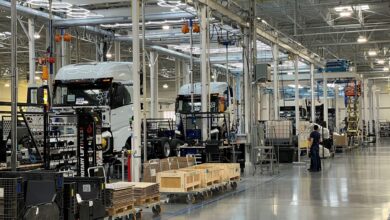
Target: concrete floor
[354,186]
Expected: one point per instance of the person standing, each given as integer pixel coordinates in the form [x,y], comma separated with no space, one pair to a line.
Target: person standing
[315,160]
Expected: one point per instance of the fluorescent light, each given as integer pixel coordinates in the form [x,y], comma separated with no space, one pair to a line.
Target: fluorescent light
[37,36]
[343,8]
[372,53]
[381,61]
[293,86]
[166,27]
[289,73]
[212,76]
[6,85]
[331,85]
[37,78]
[345,14]
[109,55]
[165,86]
[386,69]
[362,39]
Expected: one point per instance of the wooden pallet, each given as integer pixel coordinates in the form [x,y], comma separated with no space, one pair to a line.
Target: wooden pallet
[113,211]
[179,180]
[147,200]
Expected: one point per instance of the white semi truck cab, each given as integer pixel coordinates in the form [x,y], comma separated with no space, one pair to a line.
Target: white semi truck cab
[106,87]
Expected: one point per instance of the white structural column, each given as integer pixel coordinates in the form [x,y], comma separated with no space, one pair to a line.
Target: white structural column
[31,51]
[275,54]
[337,108]
[376,110]
[325,91]
[136,139]
[372,108]
[365,104]
[297,102]
[117,48]
[247,101]
[178,74]
[185,67]
[203,69]
[313,104]
[153,84]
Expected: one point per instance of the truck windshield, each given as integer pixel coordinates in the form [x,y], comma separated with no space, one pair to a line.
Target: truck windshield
[184,106]
[73,95]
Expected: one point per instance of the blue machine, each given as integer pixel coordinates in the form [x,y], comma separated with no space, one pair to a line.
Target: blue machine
[336,65]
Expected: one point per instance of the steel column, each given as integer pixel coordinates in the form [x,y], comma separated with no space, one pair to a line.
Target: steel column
[14,86]
[247,84]
[178,74]
[337,107]
[153,84]
[136,146]
[365,104]
[31,51]
[325,91]
[203,69]
[313,104]
[275,53]
[297,101]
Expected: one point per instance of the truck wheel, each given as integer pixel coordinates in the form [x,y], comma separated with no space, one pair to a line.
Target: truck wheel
[175,144]
[165,148]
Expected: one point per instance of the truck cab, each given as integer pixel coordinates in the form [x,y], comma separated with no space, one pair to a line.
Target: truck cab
[221,96]
[105,87]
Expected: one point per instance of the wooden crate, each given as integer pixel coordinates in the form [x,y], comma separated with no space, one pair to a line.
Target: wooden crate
[209,175]
[179,180]
[231,171]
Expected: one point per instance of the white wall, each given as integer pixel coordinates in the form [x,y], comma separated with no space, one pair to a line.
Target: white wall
[384,106]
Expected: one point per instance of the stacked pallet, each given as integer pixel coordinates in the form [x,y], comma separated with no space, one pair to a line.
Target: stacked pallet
[119,197]
[146,193]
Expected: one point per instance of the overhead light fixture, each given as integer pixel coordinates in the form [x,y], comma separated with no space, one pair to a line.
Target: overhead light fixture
[213,76]
[362,39]
[372,53]
[289,73]
[343,8]
[37,36]
[109,55]
[381,61]
[345,14]
[386,69]
[293,86]
[165,86]
[37,78]
[166,27]
[6,85]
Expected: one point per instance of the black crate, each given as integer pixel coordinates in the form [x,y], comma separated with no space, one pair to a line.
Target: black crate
[58,179]
[70,202]
[88,187]
[11,198]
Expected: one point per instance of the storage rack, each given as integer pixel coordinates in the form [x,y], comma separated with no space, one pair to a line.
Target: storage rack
[384,128]
[63,141]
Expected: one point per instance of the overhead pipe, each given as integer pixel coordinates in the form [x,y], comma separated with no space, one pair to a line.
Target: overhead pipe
[120,20]
[45,16]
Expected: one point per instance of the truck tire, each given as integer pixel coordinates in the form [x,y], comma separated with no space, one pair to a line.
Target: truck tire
[175,144]
[164,148]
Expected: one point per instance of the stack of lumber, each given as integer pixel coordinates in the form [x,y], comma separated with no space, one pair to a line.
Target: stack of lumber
[119,197]
[146,193]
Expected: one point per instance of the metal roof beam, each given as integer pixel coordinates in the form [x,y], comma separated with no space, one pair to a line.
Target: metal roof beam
[266,35]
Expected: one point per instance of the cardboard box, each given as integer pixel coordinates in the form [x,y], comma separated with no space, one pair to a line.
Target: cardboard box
[340,140]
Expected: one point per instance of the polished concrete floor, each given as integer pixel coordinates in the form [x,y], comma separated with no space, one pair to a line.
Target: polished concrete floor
[352,186]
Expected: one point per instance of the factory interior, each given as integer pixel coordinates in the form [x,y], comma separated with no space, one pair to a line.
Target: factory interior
[194,109]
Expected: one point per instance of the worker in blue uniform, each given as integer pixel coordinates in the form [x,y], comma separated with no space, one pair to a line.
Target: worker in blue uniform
[315,160]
